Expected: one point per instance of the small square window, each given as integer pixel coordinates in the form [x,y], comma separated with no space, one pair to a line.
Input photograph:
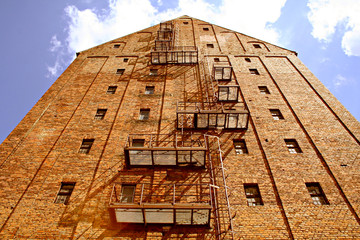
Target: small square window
[120,71]
[144,114]
[116,45]
[206,29]
[153,72]
[149,89]
[247,59]
[276,114]
[111,90]
[252,194]
[293,146]
[138,143]
[86,145]
[216,60]
[240,146]
[264,90]
[64,193]
[126,59]
[210,45]
[186,23]
[256,45]
[317,193]
[254,71]
[127,193]
[100,114]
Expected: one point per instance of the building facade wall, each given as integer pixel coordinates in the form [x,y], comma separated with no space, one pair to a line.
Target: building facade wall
[43,150]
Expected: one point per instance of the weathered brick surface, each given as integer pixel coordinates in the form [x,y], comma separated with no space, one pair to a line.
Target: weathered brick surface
[43,150]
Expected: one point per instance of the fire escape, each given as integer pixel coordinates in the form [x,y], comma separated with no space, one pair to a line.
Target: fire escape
[196,204]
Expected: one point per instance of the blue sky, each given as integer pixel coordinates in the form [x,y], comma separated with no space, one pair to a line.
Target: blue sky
[40,38]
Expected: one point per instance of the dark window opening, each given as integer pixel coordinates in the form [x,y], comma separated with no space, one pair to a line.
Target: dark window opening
[86,145]
[127,193]
[210,45]
[252,194]
[149,89]
[185,23]
[116,45]
[216,60]
[293,146]
[264,90]
[317,193]
[206,29]
[111,90]
[247,59]
[100,114]
[120,71]
[276,114]
[240,146]
[64,193]
[254,71]
[144,114]
[138,143]
[256,45]
[126,59]
[153,72]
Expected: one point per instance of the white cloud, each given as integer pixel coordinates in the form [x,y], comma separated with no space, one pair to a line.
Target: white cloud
[340,81]
[90,27]
[55,44]
[329,16]
[53,71]
[87,28]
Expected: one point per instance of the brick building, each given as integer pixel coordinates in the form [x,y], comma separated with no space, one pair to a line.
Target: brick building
[184,130]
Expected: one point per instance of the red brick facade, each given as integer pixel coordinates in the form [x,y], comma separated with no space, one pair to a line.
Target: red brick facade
[188,179]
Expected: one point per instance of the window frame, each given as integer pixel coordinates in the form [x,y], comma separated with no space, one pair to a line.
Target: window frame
[124,198]
[120,71]
[63,195]
[276,114]
[293,146]
[256,197]
[264,90]
[319,197]
[144,114]
[154,72]
[85,148]
[100,113]
[149,90]
[110,90]
[240,146]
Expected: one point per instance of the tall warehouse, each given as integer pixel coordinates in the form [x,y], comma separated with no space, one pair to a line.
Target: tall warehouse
[184,130]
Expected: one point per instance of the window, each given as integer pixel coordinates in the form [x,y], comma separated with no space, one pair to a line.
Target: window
[293,146]
[256,45]
[240,146]
[64,193]
[100,114]
[264,90]
[144,114]
[252,194]
[120,71]
[138,143]
[206,29]
[247,59]
[276,114]
[127,193]
[116,45]
[126,59]
[210,45]
[317,193]
[254,71]
[216,60]
[185,23]
[149,89]
[86,145]
[111,90]
[153,72]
